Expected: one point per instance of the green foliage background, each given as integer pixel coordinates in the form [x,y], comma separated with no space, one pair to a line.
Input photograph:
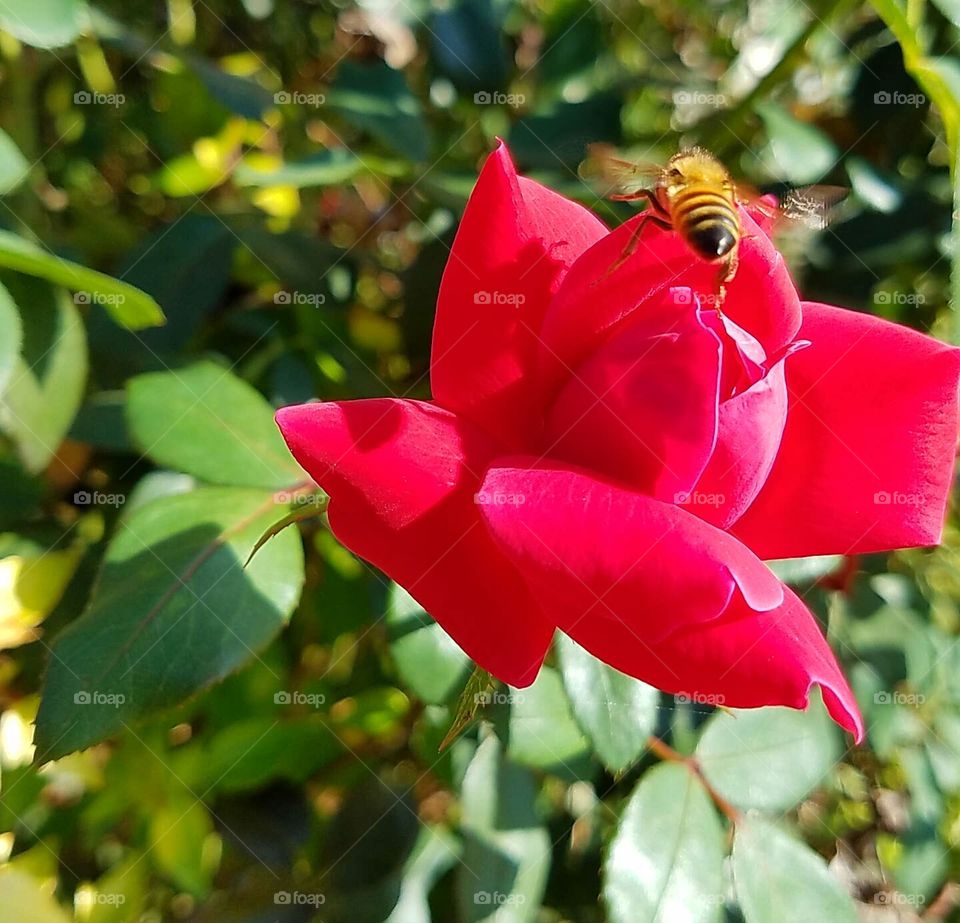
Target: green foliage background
[185,739]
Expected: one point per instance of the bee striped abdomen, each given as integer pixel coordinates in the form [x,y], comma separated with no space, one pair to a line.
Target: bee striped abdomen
[707,220]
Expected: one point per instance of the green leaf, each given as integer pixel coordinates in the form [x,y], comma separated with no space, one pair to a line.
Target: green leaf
[435,853]
[798,152]
[428,660]
[26,900]
[14,168]
[46,387]
[506,852]
[174,610]
[178,835]
[43,23]
[375,98]
[780,880]
[205,421]
[324,169]
[666,859]
[542,730]
[11,338]
[617,712]
[186,268]
[127,305]
[768,758]
[805,570]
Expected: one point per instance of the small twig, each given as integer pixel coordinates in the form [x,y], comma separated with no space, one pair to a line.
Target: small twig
[666,752]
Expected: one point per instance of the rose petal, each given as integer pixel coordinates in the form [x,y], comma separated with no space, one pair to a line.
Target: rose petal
[749,430]
[591,300]
[595,553]
[743,660]
[868,450]
[514,245]
[401,476]
[643,408]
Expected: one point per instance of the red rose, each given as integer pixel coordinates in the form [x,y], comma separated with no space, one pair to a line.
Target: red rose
[609,455]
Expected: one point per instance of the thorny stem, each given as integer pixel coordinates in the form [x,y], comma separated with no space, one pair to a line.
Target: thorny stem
[666,752]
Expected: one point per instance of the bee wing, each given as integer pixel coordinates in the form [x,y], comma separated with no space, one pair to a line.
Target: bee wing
[612,175]
[812,206]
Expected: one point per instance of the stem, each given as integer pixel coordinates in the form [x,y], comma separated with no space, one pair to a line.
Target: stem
[665,752]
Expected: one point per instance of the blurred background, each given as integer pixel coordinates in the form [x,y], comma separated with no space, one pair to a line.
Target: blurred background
[283,180]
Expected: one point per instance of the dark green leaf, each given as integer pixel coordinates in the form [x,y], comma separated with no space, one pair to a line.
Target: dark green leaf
[375,98]
[174,610]
[428,660]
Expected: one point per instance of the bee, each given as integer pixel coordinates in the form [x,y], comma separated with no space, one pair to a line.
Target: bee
[695,195]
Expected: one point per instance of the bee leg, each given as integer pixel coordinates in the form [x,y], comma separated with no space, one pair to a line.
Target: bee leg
[728,269]
[655,215]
